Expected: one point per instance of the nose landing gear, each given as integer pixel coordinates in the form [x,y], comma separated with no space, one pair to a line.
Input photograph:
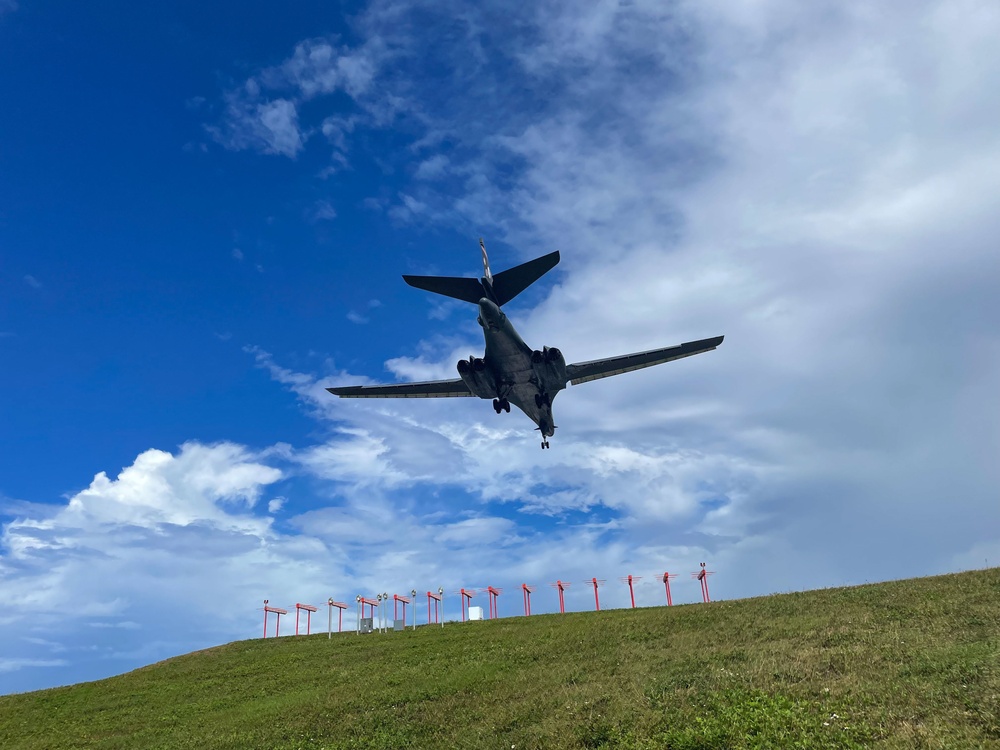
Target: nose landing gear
[542,399]
[545,444]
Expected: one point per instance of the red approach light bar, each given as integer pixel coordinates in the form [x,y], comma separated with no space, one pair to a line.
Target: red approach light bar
[309,609]
[437,601]
[494,605]
[466,594]
[396,600]
[341,606]
[629,580]
[702,575]
[373,603]
[595,582]
[279,612]
[666,585]
[561,585]
[526,593]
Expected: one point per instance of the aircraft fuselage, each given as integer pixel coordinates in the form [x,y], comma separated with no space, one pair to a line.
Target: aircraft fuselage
[526,378]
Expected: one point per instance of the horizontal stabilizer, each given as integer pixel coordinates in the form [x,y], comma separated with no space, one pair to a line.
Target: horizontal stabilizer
[583,372]
[468,290]
[510,283]
[427,389]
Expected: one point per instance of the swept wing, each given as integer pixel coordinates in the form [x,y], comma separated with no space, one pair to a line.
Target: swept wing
[426,389]
[583,372]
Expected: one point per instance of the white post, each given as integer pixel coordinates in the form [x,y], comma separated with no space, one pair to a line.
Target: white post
[329,618]
[441,594]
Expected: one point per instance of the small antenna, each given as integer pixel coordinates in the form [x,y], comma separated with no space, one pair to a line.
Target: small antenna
[486,262]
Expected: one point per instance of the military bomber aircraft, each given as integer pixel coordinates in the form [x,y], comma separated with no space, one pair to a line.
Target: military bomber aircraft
[511,372]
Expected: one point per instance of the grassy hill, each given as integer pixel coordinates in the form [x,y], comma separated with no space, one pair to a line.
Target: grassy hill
[904,664]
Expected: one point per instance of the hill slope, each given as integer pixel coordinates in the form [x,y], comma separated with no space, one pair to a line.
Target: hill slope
[897,665]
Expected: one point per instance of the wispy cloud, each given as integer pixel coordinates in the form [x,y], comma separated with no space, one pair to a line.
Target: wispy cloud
[13,664]
[323,211]
[268,126]
[32,282]
[262,113]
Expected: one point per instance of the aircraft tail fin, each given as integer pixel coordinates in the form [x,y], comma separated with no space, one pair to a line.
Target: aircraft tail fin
[510,283]
[501,287]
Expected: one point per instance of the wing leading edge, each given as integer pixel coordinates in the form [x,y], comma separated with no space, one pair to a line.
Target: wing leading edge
[426,389]
[583,372]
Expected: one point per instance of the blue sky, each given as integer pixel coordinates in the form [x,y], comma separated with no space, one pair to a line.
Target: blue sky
[205,212]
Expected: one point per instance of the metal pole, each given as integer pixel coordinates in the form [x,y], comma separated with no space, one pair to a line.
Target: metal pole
[329,619]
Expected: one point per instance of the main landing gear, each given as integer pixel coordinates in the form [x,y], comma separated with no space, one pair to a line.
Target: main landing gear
[501,404]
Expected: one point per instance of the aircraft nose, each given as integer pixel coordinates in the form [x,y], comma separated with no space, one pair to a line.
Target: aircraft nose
[489,312]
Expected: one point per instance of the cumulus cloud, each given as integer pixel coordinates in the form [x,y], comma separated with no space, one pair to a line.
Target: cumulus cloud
[135,547]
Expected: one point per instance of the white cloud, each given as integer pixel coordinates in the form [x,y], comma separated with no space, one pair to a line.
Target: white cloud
[237,253]
[276,504]
[270,127]
[323,211]
[431,168]
[316,68]
[14,664]
[32,282]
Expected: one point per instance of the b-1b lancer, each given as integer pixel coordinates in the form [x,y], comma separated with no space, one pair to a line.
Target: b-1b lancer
[511,372]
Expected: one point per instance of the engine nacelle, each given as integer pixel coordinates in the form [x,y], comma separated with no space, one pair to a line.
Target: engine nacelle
[554,357]
[475,375]
[550,368]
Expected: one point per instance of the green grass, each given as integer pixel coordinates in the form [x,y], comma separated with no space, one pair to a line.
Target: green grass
[906,664]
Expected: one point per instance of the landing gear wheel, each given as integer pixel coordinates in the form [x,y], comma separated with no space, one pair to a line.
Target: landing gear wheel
[506,405]
[501,404]
[545,444]
[496,405]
